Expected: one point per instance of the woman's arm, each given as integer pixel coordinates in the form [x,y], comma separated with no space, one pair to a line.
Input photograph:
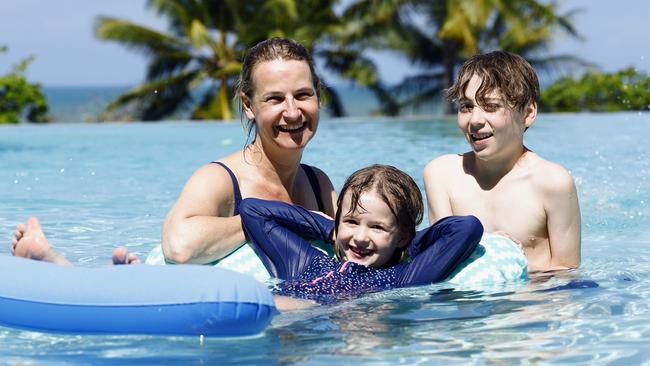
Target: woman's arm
[199,228]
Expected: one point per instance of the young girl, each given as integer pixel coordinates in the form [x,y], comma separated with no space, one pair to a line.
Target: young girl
[378,211]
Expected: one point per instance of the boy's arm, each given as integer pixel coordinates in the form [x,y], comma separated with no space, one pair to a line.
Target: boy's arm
[435,175]
[563,220]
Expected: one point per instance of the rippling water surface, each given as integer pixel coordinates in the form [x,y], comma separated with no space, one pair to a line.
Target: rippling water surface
[97,186]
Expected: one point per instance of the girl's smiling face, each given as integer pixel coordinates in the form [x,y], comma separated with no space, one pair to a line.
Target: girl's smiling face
[369,235]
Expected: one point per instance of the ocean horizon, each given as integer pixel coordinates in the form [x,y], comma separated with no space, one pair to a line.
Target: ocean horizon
[70,104]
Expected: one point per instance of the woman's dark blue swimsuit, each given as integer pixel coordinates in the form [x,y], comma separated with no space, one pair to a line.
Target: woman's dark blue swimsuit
[278,233]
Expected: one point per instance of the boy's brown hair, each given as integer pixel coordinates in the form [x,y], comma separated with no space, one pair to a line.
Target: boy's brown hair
[397,189]
[509,74]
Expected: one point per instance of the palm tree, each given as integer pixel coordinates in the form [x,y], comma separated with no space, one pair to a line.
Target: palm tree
[437,36]
[198,50]
[318,27]
[204,46]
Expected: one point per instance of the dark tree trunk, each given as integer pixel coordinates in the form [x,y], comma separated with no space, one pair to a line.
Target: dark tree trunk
[450,56]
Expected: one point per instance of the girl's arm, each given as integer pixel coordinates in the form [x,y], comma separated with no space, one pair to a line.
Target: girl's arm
[439,249]
[276,231]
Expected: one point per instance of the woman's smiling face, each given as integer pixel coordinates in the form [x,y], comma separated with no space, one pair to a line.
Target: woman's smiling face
[369,235]
[284,103]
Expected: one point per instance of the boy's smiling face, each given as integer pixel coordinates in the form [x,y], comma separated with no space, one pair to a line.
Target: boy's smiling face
[493,129]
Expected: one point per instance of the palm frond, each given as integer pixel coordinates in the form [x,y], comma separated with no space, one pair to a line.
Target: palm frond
[140,38]
[153,100]
[215,104]
[333,101]
[424,96]
[416,84]
[559,64]
[163,66]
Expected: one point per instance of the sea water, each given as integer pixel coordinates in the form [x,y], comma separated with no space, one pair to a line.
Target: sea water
[101,185]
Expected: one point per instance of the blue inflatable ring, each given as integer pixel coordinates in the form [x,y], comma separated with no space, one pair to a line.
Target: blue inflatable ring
[135,299]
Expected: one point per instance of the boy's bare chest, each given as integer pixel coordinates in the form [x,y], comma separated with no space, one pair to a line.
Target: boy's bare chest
[514,207]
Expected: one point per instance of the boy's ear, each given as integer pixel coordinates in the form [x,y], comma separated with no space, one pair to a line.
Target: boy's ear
[246,103]
[530,113]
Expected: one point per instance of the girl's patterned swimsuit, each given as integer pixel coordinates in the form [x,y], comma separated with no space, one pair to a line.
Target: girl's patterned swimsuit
[278,232]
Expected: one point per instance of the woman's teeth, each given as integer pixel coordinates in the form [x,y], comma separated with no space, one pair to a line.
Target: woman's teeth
[478,137]
[291,128]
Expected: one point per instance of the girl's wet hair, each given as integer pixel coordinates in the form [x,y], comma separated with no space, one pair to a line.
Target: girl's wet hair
[507,73]
[269,50]
[396,188]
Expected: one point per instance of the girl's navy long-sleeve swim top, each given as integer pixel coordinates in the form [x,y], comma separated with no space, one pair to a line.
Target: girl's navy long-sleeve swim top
[279,234]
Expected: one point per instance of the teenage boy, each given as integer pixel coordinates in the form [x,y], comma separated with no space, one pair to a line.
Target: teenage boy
[508,187]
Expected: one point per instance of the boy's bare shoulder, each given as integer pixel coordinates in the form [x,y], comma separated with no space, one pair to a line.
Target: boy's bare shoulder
[549,176]
[445,163]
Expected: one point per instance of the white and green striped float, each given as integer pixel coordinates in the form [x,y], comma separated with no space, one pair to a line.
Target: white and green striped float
[496,260]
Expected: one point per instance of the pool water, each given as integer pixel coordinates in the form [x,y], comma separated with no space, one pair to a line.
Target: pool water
[98,186]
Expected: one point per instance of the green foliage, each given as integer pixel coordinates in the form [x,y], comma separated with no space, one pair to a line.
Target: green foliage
[205,43]
[595,91]
[437,36]
[19,99]
[199,49]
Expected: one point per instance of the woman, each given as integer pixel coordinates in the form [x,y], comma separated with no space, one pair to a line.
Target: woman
[279,94]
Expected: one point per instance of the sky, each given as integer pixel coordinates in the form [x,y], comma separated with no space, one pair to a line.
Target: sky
[60,34]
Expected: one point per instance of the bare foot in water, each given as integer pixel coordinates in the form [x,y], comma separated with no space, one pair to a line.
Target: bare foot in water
[121,255]
[285,303]
[29,242]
